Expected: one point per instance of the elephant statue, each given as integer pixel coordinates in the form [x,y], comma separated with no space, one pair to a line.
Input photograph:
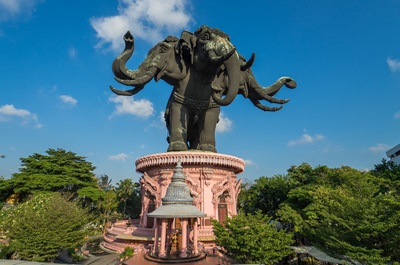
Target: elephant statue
[206,72]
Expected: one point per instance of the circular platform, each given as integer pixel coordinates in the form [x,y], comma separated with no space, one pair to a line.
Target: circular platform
[175,259]
[190,158]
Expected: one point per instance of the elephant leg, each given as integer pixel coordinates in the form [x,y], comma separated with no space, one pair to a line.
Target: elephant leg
[207,124]
[193,134]
[178,122]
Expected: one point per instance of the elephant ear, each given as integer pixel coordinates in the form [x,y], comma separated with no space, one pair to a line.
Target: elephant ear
[185,46]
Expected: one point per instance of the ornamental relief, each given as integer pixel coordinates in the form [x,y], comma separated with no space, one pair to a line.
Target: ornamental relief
[165,177]
[207,175]
[151,186]
[195,190]
[226,184]
[237,188]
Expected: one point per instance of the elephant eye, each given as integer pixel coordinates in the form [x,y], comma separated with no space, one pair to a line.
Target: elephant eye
[206,36]
[163,49]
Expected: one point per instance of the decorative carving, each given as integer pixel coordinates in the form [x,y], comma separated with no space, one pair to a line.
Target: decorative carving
[195,190]
[220,187]
[165,177]
[237,188]
[215,162]
[151,186]
[207,175]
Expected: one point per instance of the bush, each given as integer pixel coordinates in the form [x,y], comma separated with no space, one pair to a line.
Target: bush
[128,252]
[40,227]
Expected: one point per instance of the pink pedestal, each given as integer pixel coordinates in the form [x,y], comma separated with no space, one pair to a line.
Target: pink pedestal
[213,184]
[211,178]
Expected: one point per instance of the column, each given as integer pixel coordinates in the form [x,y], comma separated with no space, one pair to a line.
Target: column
[169,233]
[162,254]
[184,223]
[155,247]
[195,237]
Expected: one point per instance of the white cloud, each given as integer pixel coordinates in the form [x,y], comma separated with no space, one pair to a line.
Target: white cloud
[162,118]
[379,148]
[248,162]
[68,100]
[13,8]
[9,112]
[394,64]
[224,125]
[397,115]
[306,139]
[72,52]
[119,157]
[142,108]
[149,20]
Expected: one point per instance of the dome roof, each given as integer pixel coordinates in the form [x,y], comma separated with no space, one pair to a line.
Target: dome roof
[177,202]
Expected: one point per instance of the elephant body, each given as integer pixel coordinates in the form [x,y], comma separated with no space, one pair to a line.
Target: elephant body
[206,72]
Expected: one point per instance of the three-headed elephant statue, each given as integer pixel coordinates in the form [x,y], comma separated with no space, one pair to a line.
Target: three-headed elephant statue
[206,72]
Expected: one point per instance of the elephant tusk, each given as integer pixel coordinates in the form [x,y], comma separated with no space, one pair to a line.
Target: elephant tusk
[263,107]
[138,81]
[161,72]
[130,92]
[263,95]
[249,63]
[217,60]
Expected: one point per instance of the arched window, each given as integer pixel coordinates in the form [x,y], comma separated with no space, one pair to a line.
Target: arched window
[222,207]
[152,207]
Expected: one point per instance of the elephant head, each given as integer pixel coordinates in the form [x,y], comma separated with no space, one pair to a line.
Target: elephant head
[249,87]
[166,61]
[212,49]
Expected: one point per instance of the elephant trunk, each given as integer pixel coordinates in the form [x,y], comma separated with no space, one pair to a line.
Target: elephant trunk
[123,75]
[119,65]
[232,66]
[275,87]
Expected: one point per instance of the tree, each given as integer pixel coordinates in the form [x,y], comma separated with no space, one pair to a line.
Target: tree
[128,194]
[252,238]
[107,206]
[40,227]
[59,171]
[387,170]
[344,212]
[266,194]
[104,183]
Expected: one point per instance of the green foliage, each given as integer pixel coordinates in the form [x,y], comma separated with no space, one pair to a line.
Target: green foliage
[5,251]
[75,257]
[266,194]
[40,227]
[127,253]
[59,170]
[387,170]
[107,207]
[104,183]
[344,211]
[128,195]
[252,238]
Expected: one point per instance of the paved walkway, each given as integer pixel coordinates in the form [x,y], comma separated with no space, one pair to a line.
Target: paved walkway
[139,259]
[110,259]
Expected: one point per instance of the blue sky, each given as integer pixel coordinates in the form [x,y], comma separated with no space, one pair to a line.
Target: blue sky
[55,72]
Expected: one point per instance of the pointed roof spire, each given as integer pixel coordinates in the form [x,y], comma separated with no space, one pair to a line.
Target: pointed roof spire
[177,201]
